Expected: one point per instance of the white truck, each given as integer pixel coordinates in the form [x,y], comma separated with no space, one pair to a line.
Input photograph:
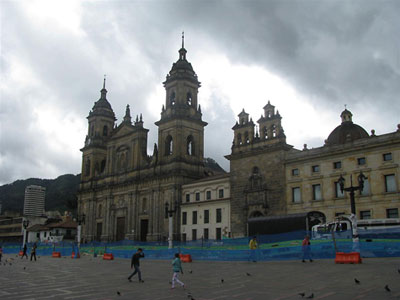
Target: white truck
[342,229]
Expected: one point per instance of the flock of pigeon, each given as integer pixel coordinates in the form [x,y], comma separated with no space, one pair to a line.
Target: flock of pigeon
[9,261]
[190,297]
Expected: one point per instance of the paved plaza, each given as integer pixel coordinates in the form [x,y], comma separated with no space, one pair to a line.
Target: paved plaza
[94,278]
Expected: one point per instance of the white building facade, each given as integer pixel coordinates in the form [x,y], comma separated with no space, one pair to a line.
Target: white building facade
[34,200]
[205,209]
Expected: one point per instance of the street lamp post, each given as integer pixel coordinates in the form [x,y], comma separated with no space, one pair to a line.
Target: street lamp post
[80,219]
[353,216]
[169,214]
[25,224]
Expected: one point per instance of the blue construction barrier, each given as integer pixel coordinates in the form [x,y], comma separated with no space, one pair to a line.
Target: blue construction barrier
[287,246]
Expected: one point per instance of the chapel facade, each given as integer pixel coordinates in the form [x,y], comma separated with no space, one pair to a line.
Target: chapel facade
[124,190]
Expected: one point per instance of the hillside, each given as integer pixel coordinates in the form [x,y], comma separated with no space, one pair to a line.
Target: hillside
[60,193]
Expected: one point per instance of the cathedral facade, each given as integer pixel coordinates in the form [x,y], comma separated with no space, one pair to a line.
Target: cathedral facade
[123,190]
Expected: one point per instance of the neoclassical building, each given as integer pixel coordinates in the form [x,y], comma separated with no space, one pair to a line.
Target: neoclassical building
[123,189]
[272,181]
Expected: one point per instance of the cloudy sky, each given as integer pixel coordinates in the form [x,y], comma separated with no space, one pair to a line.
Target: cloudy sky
[309,58]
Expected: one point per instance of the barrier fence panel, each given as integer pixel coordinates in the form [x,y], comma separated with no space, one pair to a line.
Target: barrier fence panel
[287,246]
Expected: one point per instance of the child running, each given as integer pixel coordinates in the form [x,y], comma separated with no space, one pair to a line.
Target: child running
[176,267]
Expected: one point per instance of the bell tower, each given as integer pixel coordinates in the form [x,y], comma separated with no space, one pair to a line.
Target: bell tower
[181,128]
[101,122]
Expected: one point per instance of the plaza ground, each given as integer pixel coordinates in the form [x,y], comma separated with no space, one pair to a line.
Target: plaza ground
[94,278]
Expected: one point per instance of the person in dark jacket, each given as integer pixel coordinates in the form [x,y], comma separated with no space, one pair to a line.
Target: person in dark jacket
[25,252]
[135,264]
[33,251]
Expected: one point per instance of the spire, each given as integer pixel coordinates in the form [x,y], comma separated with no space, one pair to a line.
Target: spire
[103,90]
[182,51]
[127,117]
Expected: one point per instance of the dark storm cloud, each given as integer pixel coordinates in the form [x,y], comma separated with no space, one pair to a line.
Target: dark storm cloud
[333,52]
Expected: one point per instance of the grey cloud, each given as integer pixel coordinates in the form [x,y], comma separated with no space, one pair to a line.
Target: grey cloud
[334,52]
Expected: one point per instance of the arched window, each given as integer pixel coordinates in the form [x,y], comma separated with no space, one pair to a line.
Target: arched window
[189,98]
[190,145]
[255,170]
[168,145]
[246,137]
[102,166]
[87,167]
[239,138]
[273,131]
[172,99]
[105,130]
[265,133]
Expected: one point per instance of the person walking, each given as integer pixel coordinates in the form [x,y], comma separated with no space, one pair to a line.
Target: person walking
[136,264]
[176,268]
[33,251]
[1,252]
[25,252]
[253,245]
[306,247]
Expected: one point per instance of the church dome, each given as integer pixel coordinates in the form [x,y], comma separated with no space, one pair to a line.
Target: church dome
[347,131]
[102,107]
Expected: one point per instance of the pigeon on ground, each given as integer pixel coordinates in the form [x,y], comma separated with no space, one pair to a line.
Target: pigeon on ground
[222,280]
[190,271]
[387,288]
[248,274]
[24,268]
[118,293]
[398,270]
[302,294]
[311,296]
[357,281]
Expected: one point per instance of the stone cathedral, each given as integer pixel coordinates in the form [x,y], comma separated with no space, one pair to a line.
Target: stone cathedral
[124,190]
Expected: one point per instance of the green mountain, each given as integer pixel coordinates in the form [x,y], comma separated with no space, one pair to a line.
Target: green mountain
[60,193]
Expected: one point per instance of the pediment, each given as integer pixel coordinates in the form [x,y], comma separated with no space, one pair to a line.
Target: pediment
[122,130]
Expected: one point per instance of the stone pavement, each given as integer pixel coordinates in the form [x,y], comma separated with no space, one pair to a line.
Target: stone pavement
[94,278]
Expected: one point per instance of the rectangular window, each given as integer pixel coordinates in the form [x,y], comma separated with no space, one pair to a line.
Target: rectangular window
[187,197]
[390,183]
[315,168]
[219,215]
[184,218]
[296,195]
[205,235]
[339,214]
[194,217]
[183,237]
[337,165]
[338,192]
[221,193]
[197,196]
[194,234]
[316,188]
[365,214]
[208,195]
[387,156]
[361,161]
[365,191]
[206,216]
[392,213]
[295,172]
[218,234]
